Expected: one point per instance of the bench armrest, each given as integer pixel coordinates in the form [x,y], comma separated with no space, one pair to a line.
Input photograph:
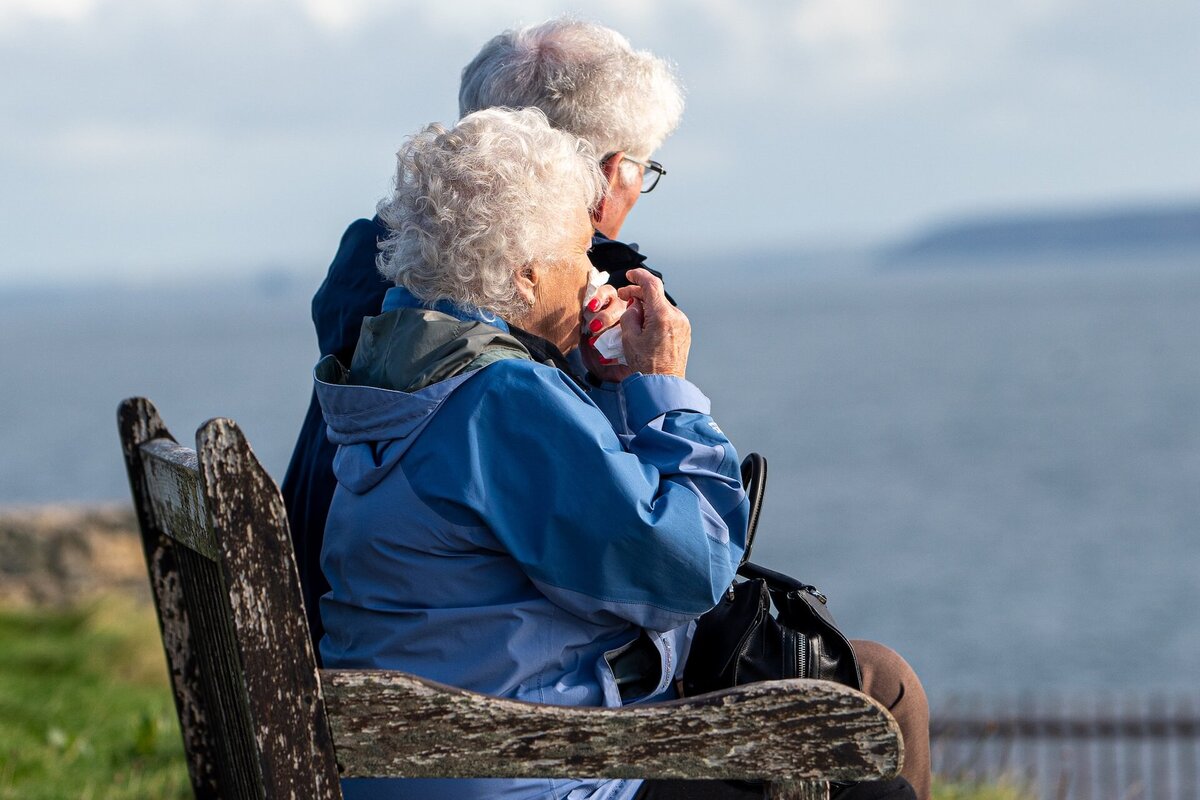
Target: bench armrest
[388,723]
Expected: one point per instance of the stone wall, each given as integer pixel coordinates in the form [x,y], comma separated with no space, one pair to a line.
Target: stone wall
[61,555]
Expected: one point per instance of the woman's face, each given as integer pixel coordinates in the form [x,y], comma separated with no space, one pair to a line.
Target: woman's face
[559,288]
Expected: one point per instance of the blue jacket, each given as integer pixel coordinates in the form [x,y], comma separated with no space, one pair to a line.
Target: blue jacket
[491,530]
[353,289]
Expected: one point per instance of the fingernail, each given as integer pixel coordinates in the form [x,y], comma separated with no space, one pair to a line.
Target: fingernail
[595,325]
[592,341]
[607,360]
[592,306]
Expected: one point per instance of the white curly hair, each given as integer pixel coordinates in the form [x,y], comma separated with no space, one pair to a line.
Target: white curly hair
[475,203]
[587,79]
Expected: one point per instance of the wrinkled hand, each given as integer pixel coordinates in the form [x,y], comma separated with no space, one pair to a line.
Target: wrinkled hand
[656,334]
[602,312]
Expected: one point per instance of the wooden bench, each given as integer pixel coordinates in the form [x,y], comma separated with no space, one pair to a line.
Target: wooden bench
[260,720]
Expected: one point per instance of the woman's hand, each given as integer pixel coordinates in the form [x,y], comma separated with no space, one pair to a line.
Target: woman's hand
[602,312]
[656,334]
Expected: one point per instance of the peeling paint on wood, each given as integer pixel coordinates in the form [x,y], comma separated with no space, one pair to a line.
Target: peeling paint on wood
[250,527]
[138,423]
[185,678]
[174,494]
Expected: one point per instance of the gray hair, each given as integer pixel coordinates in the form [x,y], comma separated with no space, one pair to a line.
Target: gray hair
[475,203]
[587,79]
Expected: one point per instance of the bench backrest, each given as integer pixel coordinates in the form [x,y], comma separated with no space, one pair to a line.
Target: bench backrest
[229,604]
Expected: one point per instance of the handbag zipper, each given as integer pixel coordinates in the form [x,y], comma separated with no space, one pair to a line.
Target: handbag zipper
[800,641]
[801,655]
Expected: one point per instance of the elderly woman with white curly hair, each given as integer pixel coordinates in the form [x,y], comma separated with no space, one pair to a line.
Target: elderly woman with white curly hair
[490,529]
[590,82]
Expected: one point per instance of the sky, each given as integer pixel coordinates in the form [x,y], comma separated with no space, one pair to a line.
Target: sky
[180,139]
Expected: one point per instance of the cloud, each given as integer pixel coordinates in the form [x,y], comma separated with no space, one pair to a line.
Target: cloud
[15,12]
[857,23]
[122,145]
[804,116]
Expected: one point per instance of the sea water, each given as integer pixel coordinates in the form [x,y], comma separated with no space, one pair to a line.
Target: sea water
[997,472]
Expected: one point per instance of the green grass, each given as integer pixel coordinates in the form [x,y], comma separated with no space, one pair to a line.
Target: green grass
[86,711]
[947,790]
[85,708]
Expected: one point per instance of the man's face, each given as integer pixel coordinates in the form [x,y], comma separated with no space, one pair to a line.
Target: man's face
[624,188]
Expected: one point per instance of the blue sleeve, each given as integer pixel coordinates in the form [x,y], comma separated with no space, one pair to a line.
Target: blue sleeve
[609,398]
[648,528]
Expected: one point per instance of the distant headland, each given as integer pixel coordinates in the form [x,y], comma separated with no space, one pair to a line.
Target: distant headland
[1163,234]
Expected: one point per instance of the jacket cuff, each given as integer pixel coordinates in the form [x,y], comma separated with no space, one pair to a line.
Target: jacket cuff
[648,397]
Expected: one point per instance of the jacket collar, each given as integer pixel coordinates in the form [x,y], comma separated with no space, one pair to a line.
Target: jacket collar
[399,297]
[540,349]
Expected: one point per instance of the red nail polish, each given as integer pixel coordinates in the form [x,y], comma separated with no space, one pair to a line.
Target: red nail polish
[595,325]
[592,306]
[592,341]
[607,360]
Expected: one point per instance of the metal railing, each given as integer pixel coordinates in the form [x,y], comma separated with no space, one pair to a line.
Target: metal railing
[1096,747]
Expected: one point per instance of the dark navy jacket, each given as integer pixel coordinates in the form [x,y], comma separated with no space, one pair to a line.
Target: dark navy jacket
[353,289]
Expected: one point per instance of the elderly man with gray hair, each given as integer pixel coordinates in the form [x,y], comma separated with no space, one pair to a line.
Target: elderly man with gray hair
[588,81]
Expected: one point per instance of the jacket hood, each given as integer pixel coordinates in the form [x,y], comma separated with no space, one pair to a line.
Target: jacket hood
[408,361]
[409,349]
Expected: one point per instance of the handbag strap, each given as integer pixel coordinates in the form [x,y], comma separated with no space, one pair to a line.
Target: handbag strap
[754,481]
[777,580]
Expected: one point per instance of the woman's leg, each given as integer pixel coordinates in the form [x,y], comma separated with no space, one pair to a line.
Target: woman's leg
[889,679]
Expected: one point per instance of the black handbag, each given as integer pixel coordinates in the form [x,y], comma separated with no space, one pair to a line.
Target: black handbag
[740,642]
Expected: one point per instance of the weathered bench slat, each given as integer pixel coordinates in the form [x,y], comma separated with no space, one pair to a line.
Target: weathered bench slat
[176,504]
[272,641]
[391,723]
[139,423]
[254,713]
[175,495]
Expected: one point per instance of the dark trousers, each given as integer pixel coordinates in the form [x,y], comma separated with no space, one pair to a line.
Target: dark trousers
[895,789]
[889,679]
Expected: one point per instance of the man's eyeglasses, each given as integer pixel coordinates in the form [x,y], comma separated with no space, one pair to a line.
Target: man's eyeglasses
[652,171]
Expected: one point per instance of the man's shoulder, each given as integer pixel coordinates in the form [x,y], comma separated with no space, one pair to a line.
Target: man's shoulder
[363,233]
[352,289]
[618,258]
[354,262]
[612,256]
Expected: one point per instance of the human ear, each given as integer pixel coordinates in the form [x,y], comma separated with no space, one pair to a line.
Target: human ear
[526,280]
[611,167]
[607,216]
[597,213]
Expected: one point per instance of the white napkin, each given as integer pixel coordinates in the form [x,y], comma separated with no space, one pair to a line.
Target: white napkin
[609,343]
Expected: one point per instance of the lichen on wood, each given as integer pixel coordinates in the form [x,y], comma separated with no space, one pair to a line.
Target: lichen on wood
[390,723]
